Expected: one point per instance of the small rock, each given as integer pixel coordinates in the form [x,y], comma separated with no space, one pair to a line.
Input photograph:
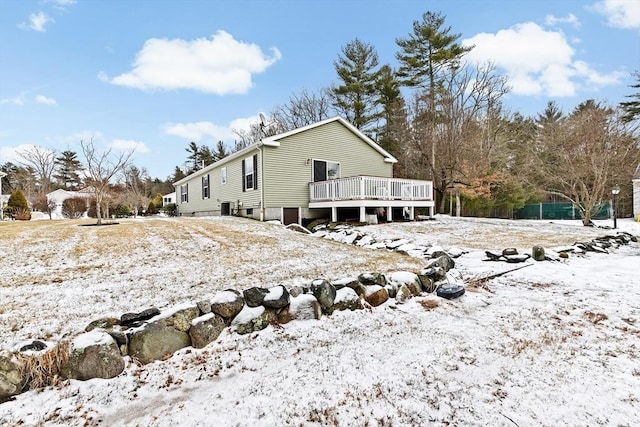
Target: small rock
[347,299]
[129,319]
[227,304]
[254,296]
[371,279]
[538,253]
[278,297]
[204,306]
[104,323]
[34,345]
[404,293]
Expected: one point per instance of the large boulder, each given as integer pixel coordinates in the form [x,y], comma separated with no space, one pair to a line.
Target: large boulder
[206,329]
[11,381]
[347,299]
[227,304]
[443,260]
[325,293]
[305,307]
[94,354]
[376,295]
[252,319]
[411,280]
[180,317]
[278,297]
[155,341]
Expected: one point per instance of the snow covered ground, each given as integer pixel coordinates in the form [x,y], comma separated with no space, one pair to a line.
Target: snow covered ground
[556,343]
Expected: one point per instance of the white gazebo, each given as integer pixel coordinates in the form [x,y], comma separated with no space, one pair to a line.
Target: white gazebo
[2,175]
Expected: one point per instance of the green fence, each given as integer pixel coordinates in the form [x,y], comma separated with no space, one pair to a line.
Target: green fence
[560,211]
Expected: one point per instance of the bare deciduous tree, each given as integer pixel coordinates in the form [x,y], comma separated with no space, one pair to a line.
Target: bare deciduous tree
[591,150]
[303,108]
[101,169]
[43,163]
[136,189]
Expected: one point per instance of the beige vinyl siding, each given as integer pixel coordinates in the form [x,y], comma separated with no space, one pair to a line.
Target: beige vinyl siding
[230,192]
[288,173]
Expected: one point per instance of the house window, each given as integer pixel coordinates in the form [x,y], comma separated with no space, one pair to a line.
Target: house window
[323,170]
[223,175]
[184,193]
[205,187]
[249,176]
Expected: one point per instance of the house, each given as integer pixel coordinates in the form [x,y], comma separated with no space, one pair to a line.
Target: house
[60,195]
[168,199]
[328,169]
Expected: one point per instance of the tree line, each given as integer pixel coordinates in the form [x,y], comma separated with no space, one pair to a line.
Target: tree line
[116,185]
[443,118]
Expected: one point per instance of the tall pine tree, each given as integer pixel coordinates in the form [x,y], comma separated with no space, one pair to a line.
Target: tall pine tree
[67,173]
[355,97]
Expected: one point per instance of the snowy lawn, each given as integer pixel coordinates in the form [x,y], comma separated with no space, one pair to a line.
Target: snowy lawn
[556,343]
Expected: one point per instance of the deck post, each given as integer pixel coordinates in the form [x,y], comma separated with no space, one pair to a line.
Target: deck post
[334,214]
[363,216]
[389,214]
[412,213]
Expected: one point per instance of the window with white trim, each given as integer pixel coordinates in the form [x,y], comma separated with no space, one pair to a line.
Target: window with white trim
[324,170]
[223,175]
[205,187]
[184,193]
[249,175]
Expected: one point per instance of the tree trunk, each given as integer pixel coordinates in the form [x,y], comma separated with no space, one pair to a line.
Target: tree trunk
[99,212]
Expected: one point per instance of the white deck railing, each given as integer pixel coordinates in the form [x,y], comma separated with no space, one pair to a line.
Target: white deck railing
[370,188]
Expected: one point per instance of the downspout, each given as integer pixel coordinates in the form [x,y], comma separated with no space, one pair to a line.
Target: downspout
[260,148]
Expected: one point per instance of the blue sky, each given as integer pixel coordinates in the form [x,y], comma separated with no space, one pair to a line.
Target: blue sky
[157,74]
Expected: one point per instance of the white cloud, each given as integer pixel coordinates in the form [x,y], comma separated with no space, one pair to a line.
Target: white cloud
[18,100]
[208,132]
[219,65]
[37,22]
[129,145]
[85,135]
[10,154]
[41,99]
[62,2]
[198,131]
[537,61]
[620,13]
[570,19]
